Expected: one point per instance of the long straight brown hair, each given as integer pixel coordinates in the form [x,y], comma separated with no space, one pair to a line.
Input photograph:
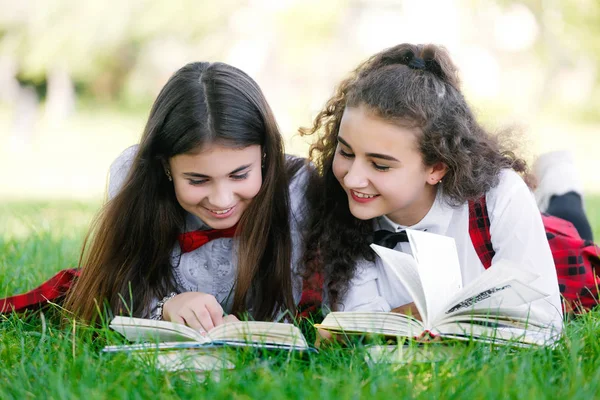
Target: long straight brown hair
[127,258]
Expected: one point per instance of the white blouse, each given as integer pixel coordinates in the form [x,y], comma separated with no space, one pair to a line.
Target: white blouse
[212,268]
[517,234]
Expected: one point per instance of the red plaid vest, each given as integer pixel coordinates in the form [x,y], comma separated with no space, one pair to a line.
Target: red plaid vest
[577,261]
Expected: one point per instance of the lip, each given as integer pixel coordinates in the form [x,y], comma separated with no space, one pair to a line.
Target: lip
[221,216]
[361,199]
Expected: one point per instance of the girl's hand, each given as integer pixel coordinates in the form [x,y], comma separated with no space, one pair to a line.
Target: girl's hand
[408,309]
[200,311]
[324,338]
[230,318]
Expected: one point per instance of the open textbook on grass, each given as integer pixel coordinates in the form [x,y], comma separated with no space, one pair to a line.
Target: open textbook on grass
[174,347]
[494,307]
[270,335]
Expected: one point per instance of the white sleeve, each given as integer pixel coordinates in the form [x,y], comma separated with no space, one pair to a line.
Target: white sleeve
[518,235]
[364,292]
[119,170]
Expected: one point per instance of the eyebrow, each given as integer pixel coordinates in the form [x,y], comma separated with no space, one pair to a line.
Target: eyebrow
[373,155]
[235,171]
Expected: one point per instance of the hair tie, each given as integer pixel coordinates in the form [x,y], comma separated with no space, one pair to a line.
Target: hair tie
[416,63]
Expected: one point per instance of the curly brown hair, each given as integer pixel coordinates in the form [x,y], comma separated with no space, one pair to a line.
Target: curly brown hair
[414,86]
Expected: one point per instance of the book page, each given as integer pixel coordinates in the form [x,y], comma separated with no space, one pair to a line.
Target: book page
[512,293]
[150,346]
[503,285]
[141,329]
[522,317]
[497,333]
[496,291]
[405,268]
[382,323]
[260,333]
[439,268]
[502,271]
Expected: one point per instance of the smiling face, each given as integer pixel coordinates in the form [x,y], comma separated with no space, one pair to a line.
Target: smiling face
[217,183]
[381,169]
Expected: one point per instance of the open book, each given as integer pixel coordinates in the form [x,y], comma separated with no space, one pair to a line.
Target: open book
[494,307]
[268,335]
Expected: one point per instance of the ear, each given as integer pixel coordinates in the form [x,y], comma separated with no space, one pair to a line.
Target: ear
[436,172]
[167,169]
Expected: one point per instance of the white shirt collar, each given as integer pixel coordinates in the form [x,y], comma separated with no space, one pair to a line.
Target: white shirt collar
[436,220]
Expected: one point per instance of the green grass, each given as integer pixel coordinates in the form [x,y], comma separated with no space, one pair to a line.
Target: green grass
[39,359]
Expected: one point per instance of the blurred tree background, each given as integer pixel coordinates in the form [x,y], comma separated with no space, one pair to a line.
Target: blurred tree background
[77,79]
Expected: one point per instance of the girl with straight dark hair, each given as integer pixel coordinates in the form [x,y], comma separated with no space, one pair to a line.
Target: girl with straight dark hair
[203,215]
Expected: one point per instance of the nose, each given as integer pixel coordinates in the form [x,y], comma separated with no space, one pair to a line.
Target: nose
[221,196]
[356,177]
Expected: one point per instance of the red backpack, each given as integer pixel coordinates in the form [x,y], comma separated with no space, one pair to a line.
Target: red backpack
[577,260]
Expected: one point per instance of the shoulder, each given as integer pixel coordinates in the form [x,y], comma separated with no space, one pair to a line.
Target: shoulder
[509,180]
[511,200]
[299,170]
[119,169]
[125,158]
[511,188]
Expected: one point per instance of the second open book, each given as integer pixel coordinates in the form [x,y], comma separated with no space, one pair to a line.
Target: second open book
[493,307]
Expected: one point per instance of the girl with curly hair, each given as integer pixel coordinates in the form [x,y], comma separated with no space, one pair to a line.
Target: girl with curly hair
[398,147]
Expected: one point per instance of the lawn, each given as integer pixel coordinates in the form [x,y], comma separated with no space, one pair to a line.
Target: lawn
[39,359]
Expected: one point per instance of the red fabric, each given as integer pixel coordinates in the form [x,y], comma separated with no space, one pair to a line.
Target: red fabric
[479,231]
[53,289]
[312,295]
[57,286]
[577,260]
[190,241]
[577,264]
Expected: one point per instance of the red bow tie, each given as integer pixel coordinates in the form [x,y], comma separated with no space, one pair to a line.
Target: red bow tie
[190,241]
